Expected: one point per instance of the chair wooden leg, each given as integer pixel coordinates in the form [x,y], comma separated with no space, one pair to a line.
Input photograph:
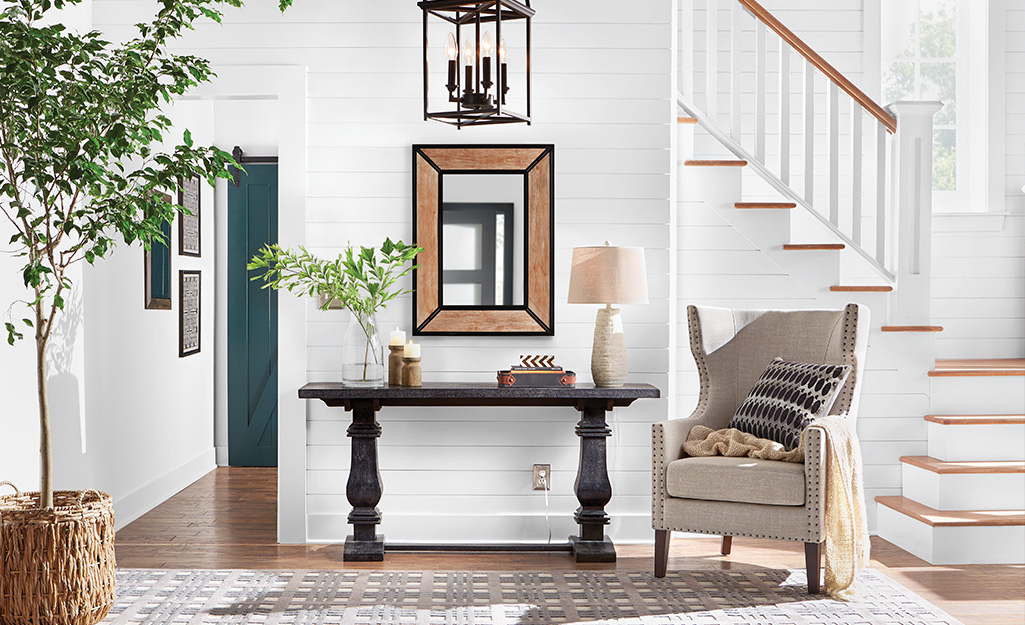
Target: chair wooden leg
[727,545]
[661,552]
[812,560]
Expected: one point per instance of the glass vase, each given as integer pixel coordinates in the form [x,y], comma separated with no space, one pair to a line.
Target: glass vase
[363,361]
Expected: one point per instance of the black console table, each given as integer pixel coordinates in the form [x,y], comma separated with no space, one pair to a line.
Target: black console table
[593,488]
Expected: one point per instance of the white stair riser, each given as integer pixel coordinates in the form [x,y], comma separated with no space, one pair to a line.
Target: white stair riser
[967,443]
[684,143]
[964,491]
[952,545]
[977,395]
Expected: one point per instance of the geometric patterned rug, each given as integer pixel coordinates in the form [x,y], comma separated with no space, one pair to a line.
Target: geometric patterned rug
[758,597]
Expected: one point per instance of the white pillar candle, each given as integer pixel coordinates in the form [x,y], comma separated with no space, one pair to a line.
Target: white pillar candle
[412,350]
[398,337]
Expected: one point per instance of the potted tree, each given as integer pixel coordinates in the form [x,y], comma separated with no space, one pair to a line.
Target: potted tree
[362,283]
[81,168]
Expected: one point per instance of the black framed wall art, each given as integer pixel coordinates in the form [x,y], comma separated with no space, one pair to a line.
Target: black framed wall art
[188,222]
[189,283]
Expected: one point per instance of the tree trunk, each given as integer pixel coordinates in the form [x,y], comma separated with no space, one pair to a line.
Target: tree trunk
[45,444]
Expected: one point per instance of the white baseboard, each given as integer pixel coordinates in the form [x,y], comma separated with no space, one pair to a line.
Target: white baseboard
[221,455]
[130,507]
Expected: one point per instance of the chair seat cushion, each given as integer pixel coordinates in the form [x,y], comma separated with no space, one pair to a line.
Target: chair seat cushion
[745,480]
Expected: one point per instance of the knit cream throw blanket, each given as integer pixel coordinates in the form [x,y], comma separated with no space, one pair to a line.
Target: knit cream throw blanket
[847,545]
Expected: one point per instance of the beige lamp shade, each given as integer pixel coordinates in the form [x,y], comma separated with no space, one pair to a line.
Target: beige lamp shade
[608,274]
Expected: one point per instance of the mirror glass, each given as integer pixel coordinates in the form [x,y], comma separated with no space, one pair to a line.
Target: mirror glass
[482,239]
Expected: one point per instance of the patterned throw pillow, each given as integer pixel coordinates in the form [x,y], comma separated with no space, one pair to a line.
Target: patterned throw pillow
[787,397]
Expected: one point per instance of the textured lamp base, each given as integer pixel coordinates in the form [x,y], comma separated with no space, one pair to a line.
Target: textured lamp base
[608,355]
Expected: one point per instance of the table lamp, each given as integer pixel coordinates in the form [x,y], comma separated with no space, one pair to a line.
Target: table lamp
[608,274]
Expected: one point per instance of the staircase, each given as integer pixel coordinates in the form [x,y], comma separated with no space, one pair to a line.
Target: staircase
[964,503]
[960,496]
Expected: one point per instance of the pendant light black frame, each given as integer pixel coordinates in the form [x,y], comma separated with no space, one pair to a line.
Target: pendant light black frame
[476,106]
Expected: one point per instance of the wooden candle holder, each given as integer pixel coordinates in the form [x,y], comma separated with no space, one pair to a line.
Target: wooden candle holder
[395,365]
[412,374]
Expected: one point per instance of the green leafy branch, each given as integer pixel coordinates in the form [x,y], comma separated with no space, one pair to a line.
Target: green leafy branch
[361,281]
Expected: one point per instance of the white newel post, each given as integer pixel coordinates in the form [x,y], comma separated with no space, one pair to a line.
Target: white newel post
[912,208]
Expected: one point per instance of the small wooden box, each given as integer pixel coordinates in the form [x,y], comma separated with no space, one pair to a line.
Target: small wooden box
[537,377]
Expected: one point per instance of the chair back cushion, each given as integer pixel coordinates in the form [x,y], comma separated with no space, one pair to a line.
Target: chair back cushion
[732,347]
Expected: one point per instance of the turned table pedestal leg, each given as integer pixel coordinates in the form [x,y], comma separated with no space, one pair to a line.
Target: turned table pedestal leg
[364,488]
[592,486]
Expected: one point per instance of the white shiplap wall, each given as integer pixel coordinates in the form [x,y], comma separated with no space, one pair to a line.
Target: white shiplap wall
[979,276]
[602,95]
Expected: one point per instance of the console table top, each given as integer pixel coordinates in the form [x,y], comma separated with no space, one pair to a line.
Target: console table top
[485,393]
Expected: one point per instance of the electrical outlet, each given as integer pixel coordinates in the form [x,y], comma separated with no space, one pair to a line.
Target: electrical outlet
[542,477]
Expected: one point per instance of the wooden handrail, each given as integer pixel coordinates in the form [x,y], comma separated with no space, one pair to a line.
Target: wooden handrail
[760,13]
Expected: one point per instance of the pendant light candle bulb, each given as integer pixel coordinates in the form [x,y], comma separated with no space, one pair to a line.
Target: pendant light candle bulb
[452,49]
[486,45]
[468,57]
[502,50]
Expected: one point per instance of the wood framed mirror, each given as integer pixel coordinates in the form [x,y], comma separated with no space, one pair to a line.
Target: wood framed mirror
[485,216]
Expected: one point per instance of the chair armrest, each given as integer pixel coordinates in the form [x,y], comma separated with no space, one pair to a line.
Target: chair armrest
[815,483]
[667,438]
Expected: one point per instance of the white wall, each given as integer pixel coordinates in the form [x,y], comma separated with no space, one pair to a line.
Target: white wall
[979,272]
[602,96]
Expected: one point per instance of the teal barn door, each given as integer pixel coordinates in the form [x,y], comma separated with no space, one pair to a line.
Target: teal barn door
[252,322]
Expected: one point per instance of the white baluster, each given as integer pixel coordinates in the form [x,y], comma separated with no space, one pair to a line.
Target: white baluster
[809,132]
[784,112]
[833,107]
[912,193]
[881,213]
[736,52]
[856,172]
[760,92]
[712,58]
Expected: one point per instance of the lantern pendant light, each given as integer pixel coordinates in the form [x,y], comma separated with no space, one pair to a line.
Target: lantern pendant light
[476,94]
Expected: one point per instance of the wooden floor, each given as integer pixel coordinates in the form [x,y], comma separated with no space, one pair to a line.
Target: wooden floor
[227,520]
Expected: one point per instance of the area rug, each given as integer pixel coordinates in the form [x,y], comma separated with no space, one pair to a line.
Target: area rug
[758,597]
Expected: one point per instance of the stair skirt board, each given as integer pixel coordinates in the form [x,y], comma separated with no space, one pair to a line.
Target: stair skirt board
[985,544]
[964,491]
[983,442]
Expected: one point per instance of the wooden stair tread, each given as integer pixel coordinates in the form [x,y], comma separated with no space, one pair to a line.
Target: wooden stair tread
[713,163]
[952,518]
[977,419]
[945,468]
[962,367]
[813,246]
[912,328]
[686,120]
[765,205]
[837,288]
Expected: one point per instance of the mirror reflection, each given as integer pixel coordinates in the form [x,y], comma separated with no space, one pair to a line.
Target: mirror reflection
[482,239]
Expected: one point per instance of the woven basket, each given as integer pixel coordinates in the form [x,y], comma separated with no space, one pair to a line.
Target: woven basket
[57,564]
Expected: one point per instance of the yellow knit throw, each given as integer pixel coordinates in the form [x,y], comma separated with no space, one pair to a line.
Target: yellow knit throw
[846,543]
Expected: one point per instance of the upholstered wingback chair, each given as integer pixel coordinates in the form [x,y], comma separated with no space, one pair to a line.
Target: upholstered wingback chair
[743,496]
